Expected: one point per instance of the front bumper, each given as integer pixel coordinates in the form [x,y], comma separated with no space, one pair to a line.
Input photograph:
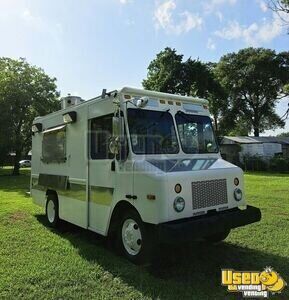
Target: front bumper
[202,226]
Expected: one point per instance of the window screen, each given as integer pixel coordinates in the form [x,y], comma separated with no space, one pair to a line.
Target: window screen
[53,145]
[100,137]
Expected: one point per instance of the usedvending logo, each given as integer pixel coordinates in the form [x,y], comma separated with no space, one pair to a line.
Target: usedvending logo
[253,284]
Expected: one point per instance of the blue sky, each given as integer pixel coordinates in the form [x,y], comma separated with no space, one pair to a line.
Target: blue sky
[93,44]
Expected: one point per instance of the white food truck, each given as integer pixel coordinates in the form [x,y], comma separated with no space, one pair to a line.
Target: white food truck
[141,167]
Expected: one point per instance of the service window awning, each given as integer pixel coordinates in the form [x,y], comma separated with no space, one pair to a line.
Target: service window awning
[61,127]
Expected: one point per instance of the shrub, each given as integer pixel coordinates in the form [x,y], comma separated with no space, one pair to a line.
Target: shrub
[255,163]
[279,164]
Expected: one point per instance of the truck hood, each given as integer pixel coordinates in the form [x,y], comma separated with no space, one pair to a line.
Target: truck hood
[188,165]
[207,184]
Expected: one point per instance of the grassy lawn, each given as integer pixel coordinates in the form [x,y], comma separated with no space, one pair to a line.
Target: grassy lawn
[40,263]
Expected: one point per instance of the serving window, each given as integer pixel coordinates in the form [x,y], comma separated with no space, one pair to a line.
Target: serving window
[54,145]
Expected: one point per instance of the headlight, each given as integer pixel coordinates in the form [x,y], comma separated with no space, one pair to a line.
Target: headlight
[238,194]
[179,204]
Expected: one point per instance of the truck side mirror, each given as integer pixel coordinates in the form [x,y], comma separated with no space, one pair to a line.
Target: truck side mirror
[116,126]
[115,140]
[118,143]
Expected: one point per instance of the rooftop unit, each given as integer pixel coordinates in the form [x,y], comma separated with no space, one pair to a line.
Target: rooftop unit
[70,101]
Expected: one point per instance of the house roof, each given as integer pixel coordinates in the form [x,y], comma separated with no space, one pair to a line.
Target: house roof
[273,139]
[254,140]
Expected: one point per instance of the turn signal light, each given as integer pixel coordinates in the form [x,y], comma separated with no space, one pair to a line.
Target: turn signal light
[178,188]
[151,197]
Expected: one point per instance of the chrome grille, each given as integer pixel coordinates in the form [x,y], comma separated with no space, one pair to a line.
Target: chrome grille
[209,193]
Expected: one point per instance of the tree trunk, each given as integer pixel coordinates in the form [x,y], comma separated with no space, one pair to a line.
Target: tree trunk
[256,122]
[256,131]
[18,149]
[216,125]
[16,163]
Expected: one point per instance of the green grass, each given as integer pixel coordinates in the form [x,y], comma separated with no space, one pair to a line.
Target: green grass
[40,263]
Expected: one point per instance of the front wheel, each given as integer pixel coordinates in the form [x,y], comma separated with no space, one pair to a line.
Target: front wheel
[51,211]
[218,237]
[134,239]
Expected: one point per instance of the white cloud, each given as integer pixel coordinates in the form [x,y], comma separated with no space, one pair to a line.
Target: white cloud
[129,22]
[219,15]
[163,13]
[253,34]
[125,1]
[211,44]
[232,31]
[27,16]
[37,23]
[211,5]
[263,5]
[164,18]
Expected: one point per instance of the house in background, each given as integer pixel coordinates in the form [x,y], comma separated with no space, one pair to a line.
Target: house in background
[234,148]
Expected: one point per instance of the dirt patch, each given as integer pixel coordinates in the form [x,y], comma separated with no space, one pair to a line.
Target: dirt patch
[15,217]
[18,216]
[281,214]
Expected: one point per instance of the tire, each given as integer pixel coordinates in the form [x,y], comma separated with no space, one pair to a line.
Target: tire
[52,211]
[218,237]
[133,239]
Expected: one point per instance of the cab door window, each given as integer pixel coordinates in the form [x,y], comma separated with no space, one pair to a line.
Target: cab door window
[100,137]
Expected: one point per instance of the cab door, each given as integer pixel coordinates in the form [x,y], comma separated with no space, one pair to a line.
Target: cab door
[101,173]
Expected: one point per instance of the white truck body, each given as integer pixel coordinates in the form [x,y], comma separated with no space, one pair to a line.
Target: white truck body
[89,189]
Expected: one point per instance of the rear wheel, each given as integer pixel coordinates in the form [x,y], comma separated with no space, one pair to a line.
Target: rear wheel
[51,211]
[134,240]
[218,237]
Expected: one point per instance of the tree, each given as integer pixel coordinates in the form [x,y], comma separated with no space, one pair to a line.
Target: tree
[218,101]
[279,6]
[165,72]
[169,73]
[283,134]
[25,92]
[255,79]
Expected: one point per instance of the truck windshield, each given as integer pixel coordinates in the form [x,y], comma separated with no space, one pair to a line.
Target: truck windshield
[196,133]
[152,132]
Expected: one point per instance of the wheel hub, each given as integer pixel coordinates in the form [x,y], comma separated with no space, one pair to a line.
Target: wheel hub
[131,237]
[50,211]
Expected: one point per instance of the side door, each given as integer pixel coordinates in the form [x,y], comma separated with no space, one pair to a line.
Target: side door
[101,175]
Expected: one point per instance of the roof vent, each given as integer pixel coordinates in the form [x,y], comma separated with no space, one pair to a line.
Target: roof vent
[70,101]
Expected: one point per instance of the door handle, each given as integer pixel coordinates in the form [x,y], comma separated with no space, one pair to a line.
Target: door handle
[131,197]
[112,166]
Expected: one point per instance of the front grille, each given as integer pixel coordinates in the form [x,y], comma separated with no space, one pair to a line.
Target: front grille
[209,193]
